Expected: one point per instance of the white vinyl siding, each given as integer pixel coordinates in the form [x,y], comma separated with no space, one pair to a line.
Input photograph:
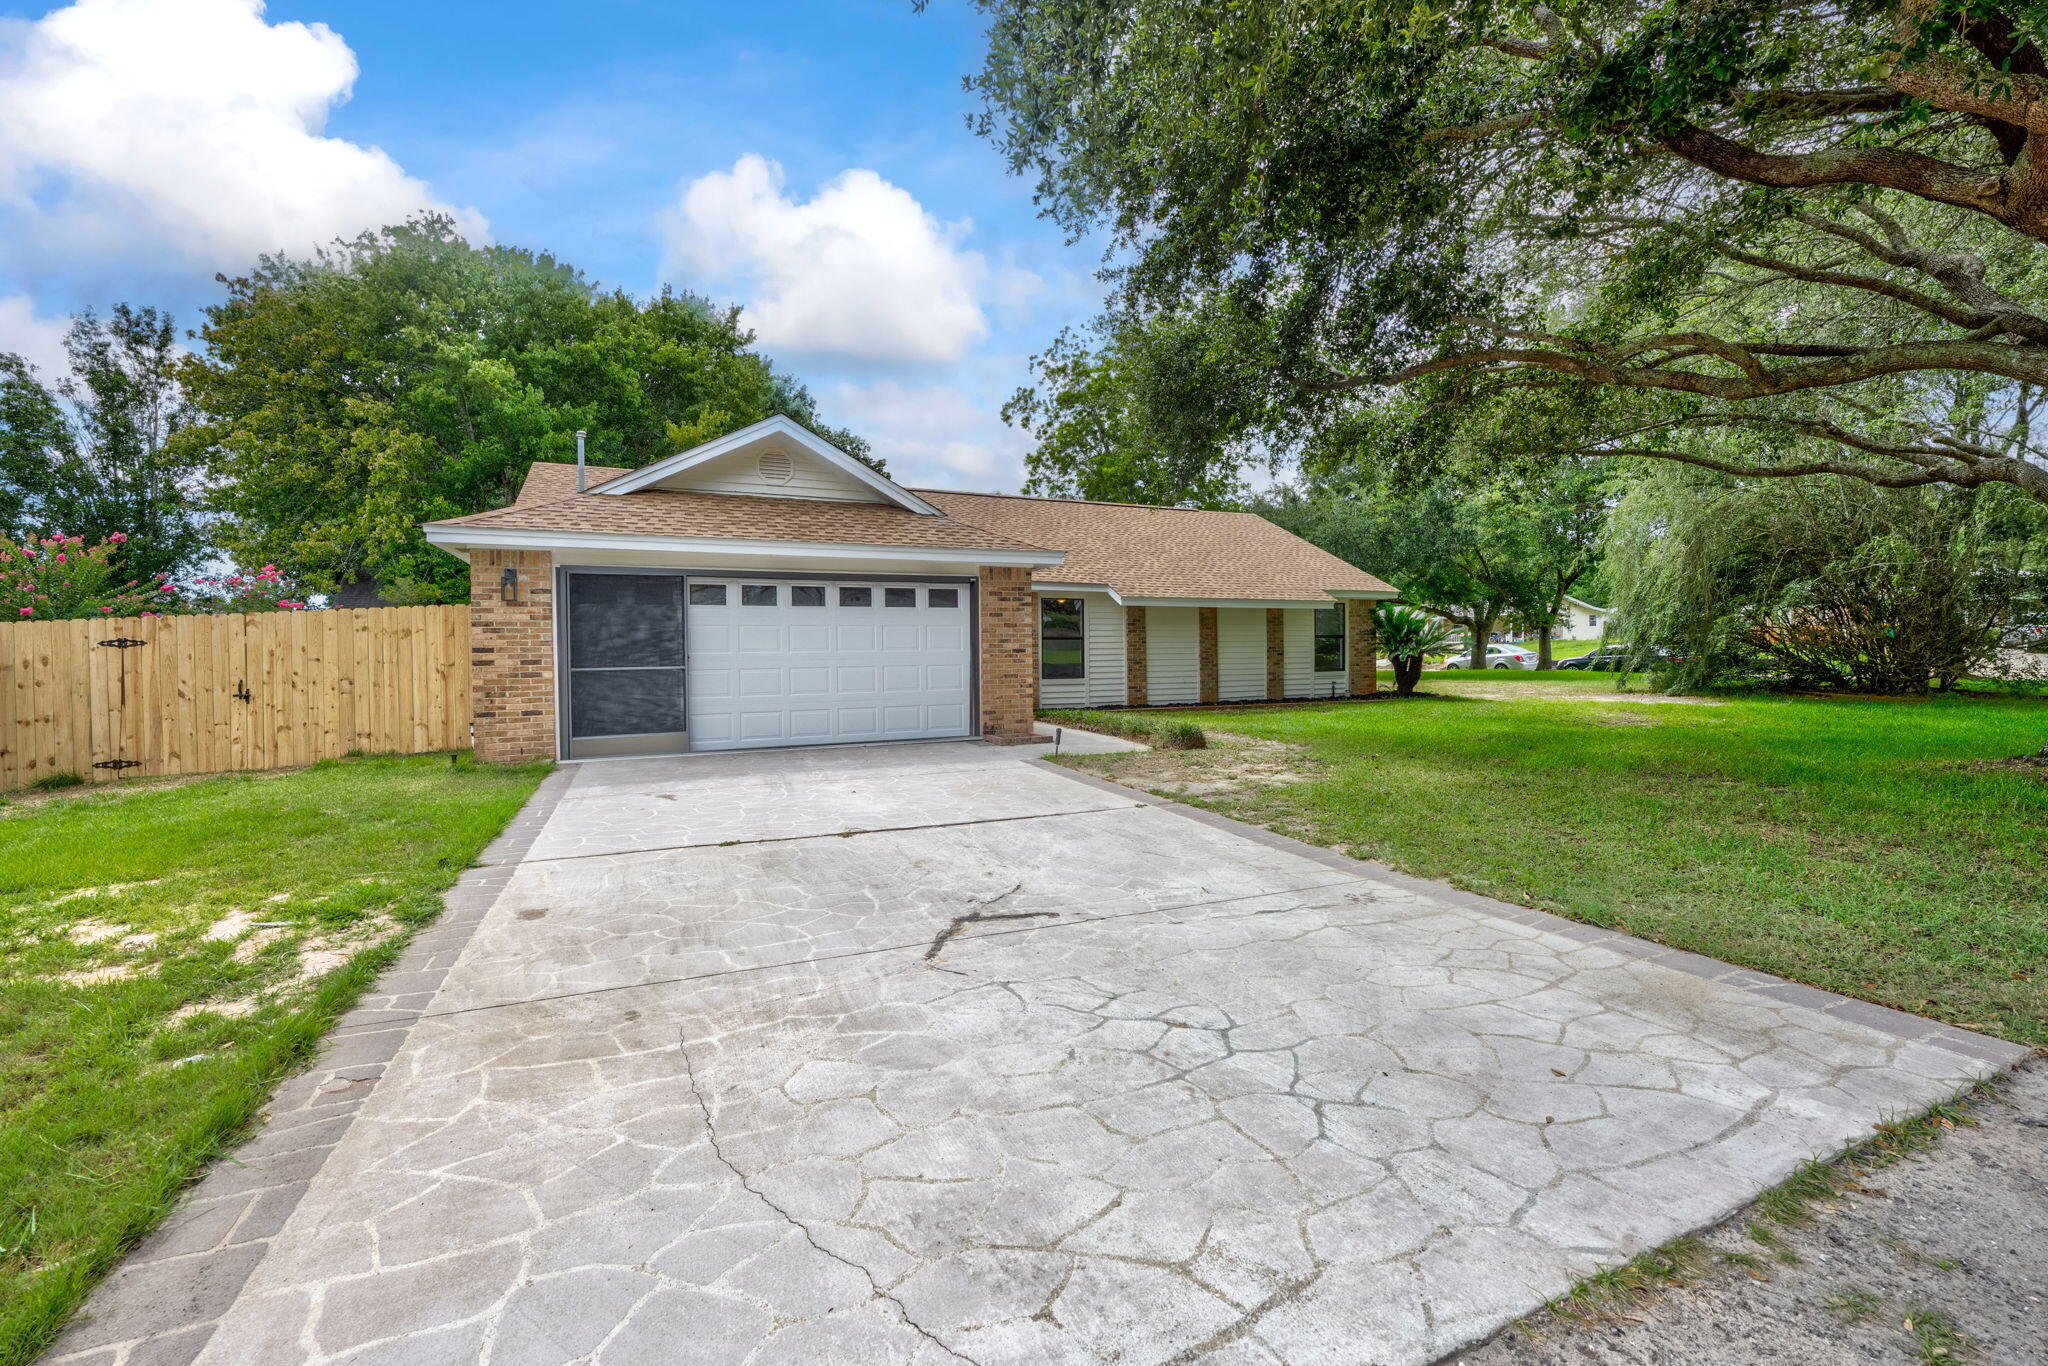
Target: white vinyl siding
[1102,647]
[1302,678]
[740,472]
[1172,655]
[1240,653]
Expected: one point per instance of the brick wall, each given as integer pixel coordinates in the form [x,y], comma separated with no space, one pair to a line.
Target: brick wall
[1276,653]
[1362,648]
[1134,656]
[512,655]
[1207,674]
[1009,655]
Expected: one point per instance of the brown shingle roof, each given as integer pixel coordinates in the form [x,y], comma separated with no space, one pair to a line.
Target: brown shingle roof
[548,501]
[1155,552]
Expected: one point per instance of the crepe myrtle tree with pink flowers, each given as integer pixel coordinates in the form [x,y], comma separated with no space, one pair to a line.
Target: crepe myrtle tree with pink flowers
[264,590]
[56,577]
[59,577]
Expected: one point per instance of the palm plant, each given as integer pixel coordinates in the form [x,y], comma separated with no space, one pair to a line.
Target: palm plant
[1407,636]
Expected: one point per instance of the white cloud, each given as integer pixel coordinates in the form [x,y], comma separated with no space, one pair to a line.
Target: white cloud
[37,339]
[933,434]
[185,128]
[860,270]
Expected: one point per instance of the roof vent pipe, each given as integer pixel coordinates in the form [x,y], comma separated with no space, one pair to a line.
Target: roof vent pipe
[579,461]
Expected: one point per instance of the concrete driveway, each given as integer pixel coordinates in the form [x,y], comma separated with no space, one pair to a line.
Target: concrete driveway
[929,1053]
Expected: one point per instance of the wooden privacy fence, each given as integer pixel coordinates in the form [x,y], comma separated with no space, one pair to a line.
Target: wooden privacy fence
[125,697]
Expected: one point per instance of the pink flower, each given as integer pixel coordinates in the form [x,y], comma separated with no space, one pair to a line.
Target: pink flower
[117,538]
[28,611]
[60,557]
[108,610]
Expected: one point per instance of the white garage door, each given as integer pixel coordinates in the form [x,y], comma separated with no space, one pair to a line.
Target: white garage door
[794,662]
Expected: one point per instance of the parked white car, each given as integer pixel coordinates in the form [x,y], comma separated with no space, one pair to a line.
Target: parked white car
[1497,657]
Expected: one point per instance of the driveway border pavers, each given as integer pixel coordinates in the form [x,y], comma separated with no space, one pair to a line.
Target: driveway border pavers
[160,1306]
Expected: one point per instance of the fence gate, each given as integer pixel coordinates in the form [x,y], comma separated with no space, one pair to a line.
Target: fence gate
[129,697]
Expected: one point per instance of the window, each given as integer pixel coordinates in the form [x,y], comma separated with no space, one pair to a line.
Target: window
[1329,639]
[942,597]
[757,595]
[856,597]
[899,597]
[806,595]
[707,595]
[1059,638]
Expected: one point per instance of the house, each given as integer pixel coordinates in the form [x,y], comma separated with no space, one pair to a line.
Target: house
[1581,620]
[768,589]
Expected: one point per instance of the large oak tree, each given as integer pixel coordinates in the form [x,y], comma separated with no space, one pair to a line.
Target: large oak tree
[1769,237]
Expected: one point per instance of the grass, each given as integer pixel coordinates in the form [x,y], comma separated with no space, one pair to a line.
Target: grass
[1160,732]
[1872,847]
[133,1046]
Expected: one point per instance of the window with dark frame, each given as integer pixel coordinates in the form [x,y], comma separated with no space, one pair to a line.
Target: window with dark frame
[1060,653]
[757,595]
[942,597]
[856,597]
[899,597]
[707,595]
[806,595]
[1329,639]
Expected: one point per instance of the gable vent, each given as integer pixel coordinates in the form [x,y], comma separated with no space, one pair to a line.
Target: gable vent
[775,467]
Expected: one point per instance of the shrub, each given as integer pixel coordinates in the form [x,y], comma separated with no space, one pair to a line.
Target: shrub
[1160,732]
[51,782]
[1406,636]
[59,577]
[265,590]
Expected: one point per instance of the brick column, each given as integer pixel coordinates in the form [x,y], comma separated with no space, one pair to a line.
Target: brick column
[1009,655]
[1135,686]
[512,656]
[1205,654]
[1362,646]
[1276,653]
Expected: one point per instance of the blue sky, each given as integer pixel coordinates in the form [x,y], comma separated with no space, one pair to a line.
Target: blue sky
[809,161]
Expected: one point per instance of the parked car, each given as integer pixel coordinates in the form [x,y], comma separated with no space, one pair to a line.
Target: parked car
[1497,657]
[1615,658]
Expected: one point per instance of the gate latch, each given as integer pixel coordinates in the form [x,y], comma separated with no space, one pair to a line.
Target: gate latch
[123,643]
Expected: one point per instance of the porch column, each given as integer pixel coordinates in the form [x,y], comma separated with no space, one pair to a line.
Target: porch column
[1134,657]
[1362,648]
[1009,655]
[1276,653]
[1205,657]
[512,655]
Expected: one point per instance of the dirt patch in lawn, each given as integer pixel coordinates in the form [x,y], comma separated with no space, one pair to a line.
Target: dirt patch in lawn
[1233,765]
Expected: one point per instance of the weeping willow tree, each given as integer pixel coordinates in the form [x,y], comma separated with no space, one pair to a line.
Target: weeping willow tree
[1825,583]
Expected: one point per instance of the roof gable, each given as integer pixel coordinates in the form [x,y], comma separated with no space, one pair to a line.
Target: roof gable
[773,458]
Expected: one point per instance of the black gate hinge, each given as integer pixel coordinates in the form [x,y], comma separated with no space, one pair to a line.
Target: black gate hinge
[123,643]
[118,763]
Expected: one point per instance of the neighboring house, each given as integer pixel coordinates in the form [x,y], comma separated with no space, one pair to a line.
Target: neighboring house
[1581,620]
[768,589]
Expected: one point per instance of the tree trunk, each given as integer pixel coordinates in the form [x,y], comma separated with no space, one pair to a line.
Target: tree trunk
[1482,636]
[1407,673]
[1543,645]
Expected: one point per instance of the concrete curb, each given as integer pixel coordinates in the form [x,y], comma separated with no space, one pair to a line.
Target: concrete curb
[1897,1023]
[158,1307]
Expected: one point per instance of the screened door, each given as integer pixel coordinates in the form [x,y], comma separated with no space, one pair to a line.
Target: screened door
[626,664]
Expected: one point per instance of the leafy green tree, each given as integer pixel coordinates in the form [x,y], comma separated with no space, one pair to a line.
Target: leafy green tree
[1679,220]
[94,456]
[408,375]
[1826,583]
[1453,549]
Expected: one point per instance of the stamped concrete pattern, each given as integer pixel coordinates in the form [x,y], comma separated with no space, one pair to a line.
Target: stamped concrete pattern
[1000,1065]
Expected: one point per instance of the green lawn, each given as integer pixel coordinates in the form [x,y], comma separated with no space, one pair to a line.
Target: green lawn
[133,1046]
[1862,845]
